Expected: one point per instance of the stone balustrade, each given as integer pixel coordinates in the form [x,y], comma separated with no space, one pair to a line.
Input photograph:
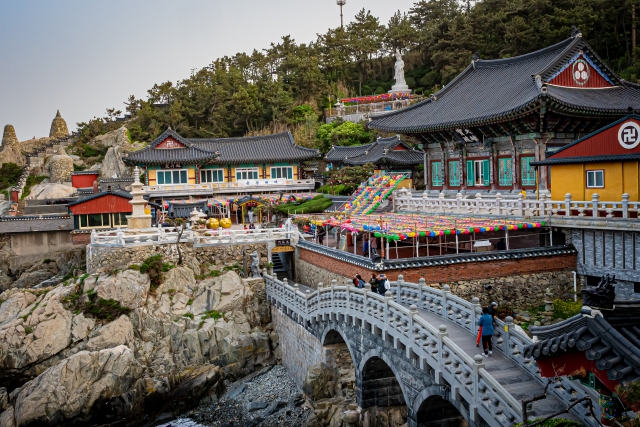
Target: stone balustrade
[396,320]
[567,208]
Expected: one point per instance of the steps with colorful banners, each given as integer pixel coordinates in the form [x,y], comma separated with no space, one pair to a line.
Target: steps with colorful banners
[372,193]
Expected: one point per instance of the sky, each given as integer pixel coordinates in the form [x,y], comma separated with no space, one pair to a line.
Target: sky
[84,56]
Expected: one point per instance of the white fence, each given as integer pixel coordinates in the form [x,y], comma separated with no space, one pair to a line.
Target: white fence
[396,318]
[199,238]
[568,208]
[213,187]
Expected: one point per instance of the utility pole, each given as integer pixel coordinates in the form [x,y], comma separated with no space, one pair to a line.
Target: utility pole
[341,3]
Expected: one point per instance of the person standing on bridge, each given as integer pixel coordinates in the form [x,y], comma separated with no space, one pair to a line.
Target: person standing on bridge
[374,283]
[486,324]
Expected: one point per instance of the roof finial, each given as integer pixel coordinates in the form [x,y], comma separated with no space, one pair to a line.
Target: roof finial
[575,31]
[475,56]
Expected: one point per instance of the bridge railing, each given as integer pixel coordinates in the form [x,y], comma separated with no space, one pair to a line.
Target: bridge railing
[499,206]
[407,331]
[391,319]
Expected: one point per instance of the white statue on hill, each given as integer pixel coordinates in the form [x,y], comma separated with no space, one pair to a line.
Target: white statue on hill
[401,83]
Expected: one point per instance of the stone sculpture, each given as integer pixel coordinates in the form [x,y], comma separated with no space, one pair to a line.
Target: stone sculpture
[255,264]
[401,84]
[602,295]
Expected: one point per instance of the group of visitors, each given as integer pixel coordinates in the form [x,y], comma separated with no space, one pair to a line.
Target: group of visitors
[379,284]
[485,329]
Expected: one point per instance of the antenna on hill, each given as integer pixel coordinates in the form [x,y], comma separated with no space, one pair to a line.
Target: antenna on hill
[341,3]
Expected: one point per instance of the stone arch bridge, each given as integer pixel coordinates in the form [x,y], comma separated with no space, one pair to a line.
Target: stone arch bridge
[416,347]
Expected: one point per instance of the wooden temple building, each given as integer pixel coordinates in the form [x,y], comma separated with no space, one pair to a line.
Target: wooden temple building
[389,156]
[483,130]
[177,167]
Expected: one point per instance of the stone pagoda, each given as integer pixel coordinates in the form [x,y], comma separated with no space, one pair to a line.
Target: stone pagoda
[59,127]
[139,219]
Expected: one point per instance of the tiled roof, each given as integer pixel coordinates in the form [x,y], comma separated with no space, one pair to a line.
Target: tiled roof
[613,342]
[95,172]
[587,159]
[152,156]
[102,194]
[268,148]
[27,224]
[375,153]
[258,149]
[489,90]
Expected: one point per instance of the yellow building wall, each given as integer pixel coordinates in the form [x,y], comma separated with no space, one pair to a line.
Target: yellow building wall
[619,178]
[152,177]
[191,175]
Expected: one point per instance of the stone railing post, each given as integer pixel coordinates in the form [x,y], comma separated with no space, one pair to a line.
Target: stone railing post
[520,204]
[478,364]
[307,295]
[414,310]
[399,283]
[334,283]
[542,208]
[458,201]
[625,205]
[594,202]
[475,304]
[388,296]
[478,202]
[93,236]
[421,283]
[441,201]
[498,204]
[446,290]
[567,205]
[442,333]
[365,302]
[508,323]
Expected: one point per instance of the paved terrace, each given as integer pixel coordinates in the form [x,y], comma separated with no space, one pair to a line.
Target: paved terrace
[427,336]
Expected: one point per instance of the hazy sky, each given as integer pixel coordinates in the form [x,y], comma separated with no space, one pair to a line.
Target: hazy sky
[83,56]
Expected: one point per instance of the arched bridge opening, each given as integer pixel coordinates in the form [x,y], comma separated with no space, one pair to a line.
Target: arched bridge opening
[338,357]
[381,394]
[436,411]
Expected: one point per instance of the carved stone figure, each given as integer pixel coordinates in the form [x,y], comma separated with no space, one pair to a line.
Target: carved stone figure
[602,295]
[255,264]
[401,83]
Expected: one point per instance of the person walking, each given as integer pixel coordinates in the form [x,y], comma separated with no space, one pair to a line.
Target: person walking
[374,283]
[501,246]
[493,309]
[373,245]
[383,284]
[486,323]
[365,248]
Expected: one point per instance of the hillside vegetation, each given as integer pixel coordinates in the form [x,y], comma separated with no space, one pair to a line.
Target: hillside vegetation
[288,85]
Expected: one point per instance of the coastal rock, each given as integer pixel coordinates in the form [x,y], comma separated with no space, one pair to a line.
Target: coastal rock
[128,287]
[180,279]
[74,388]
[319,382]
[118,332]
[14,305]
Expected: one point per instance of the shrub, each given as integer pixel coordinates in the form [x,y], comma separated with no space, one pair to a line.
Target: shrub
[212,314]
[9,175]
[554,422]
[338,190]
[154,267]
[311,206]
[90,304]
[28,330]
[189,315]
[135,267]
[564,309]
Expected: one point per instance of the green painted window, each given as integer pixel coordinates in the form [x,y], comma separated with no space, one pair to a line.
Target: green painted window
[478,173]
[505,172]
[246,173]
[282,172]
[528,172]
[454,174]
[211,175]
[172,177]
[437,174]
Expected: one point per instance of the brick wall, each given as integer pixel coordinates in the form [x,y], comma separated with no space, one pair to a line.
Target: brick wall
[517,283]
[452,272]
[81,238]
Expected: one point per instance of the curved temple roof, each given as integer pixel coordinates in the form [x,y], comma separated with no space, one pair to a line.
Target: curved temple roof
[380,151]
[489,90]
[259,149]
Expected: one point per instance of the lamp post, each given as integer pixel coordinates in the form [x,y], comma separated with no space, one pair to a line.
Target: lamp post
[341,3]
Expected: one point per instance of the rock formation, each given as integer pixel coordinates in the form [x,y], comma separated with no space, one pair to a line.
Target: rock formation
[113,166]
[10,149]
[100,348]
[114,138]
[51,191]
[58,127]
[60,167]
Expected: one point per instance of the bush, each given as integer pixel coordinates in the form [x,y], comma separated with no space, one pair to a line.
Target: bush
[555,422]
[91,151]
[90,304]
[212,314]
[189,315]
[9,175]
[154,267]
[338,190]
[310,206]
[565,309]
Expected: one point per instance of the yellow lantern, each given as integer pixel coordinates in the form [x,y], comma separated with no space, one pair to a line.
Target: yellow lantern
[225,223]
[213,224]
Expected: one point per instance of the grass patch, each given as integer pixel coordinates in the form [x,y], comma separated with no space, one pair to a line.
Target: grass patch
[189,315]
[316,205]
[212,314]
[32,180]
[28,330]
[564,309]
[190,302]
[91,305]
[154,267]
[554,422]
[135,267]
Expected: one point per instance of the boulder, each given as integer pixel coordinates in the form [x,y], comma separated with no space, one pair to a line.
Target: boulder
[60,167]
[118,332]
[118,137]
[30,279]
[128,287]
[51,191]
[113,166]
[319,382]
[71,390]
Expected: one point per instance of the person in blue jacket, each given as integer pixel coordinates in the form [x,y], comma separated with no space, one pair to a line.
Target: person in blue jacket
[486,323]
